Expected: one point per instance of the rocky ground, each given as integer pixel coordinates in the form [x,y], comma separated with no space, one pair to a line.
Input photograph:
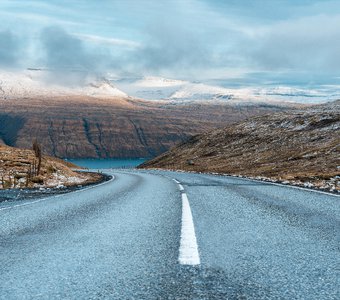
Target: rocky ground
[18,170]
[300,147]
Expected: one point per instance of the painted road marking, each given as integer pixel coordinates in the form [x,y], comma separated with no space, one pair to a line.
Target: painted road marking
[188,250]
[181,188]
[176,181]
[56,196]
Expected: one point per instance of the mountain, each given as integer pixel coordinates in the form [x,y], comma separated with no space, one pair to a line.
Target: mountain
[82,126]
[300,146]
[36,83]
[98,120]
[178,91]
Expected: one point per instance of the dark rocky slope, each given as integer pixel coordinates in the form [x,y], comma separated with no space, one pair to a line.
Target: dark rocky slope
[301,146]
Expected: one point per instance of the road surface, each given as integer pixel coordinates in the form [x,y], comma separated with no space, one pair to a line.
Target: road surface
[169,235]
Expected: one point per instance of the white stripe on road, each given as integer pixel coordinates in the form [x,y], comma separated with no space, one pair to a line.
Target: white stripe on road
[188,250]
[176,180]
[181,188]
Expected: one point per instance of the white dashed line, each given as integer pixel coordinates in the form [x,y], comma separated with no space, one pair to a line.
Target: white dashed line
[176,181]
[181,188]
[56,196]
[188,250]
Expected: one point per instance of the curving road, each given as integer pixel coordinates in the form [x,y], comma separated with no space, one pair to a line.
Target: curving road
[167,235]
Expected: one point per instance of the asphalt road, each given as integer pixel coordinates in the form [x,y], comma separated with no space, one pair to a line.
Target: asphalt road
[167,235]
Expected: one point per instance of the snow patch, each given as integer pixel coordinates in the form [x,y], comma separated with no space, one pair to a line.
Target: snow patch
[151,81]
[32,83]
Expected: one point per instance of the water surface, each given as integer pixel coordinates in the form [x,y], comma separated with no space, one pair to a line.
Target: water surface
[108,163]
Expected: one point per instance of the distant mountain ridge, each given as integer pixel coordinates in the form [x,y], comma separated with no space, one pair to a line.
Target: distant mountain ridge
[98,119]
[38,82]
[176,91]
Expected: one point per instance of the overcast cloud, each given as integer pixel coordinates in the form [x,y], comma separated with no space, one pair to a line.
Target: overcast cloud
[184,39]
[9,49]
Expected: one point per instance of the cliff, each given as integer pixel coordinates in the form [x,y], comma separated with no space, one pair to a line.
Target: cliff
[87,126]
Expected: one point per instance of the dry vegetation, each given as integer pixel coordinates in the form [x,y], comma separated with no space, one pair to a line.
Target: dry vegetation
[300,147]
[20,168]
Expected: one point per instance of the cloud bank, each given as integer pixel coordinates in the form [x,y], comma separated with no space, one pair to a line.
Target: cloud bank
[66,56]
[9,49]
[184,39]
[299,45]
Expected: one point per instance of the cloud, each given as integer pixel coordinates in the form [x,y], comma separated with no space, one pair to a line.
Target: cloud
[172,47]
[67,58]
[175,41]
[300,45]
[191,39]
[108,41]
[9,49]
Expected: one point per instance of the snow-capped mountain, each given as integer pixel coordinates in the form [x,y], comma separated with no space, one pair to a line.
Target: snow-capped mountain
[152,81]
[149,87]
[279,94]
[157,88]
[33,83]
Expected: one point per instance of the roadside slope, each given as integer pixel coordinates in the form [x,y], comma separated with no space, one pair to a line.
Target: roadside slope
[18,169]
[301,146]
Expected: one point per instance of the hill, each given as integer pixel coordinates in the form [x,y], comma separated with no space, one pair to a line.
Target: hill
[18,169]
[300,146]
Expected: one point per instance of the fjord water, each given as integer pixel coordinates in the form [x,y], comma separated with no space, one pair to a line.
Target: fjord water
[108,163]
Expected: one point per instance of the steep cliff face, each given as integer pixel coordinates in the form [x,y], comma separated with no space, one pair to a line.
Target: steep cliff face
[302,146]
[83,126]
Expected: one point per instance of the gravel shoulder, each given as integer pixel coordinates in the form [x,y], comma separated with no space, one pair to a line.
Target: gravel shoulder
[36,193]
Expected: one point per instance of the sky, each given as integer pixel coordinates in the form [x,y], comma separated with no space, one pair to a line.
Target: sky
[293,41]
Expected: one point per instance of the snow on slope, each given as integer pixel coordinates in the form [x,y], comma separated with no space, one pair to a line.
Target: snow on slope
[177,91]
[152,81]
[149,87]
[199,91]
[32,83]
[259,94]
